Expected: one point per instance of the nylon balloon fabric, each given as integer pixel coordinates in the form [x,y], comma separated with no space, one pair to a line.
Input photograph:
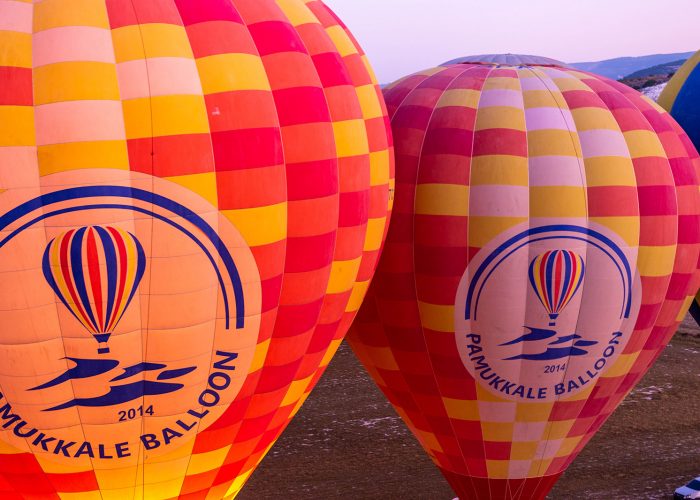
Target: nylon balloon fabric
[193,196]
[542,251]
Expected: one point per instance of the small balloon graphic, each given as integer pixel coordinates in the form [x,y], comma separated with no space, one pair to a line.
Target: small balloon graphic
[95,271]
[556,276]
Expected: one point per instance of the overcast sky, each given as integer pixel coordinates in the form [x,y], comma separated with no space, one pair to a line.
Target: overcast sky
[403,36]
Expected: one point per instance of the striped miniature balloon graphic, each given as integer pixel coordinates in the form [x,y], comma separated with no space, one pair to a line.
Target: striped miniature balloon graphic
[95,271]
[556,276]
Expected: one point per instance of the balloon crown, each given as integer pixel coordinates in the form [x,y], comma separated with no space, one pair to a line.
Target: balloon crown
[506,60]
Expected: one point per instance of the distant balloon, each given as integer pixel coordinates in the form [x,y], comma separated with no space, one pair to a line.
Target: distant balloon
[681,98]
[556,276]
[193,198]
[542,252]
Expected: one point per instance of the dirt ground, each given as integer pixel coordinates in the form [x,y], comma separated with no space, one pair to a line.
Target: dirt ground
[347,442]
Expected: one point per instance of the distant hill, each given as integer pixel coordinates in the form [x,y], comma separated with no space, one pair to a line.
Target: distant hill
[659,69]
[623,66]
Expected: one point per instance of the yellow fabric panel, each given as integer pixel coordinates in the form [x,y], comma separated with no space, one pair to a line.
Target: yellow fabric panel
[461,409]
[15,49]
[295,391]
[172,115]
[296,12]
[260,355]
[533,412]
[497,431]
[553,143]
[626,227]
[484,229]
[498,469]
[500,170]
[75,81]
[149,41]
[610,171]
[442,199]
[17,125]
[437,317]
[78,155]
[501,117]
[594,119]
[502,83]
[523,450]
[557,201]
[643,143]
[202,184]
[229,72]
[343,275]
[359,290]
[341,41]
[369,102]
[56,13]
[375,232]
[350,138]
[656,260]
[378,168]
[465,98]
[260,225]
[204,462]
[622,365]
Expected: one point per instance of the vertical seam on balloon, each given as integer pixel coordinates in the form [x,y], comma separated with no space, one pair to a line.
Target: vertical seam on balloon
[144,334]
[585,437]
[211,144]
[467,247]
[674,185]
[582,173]
[413,257]
[541,263]
[286,237]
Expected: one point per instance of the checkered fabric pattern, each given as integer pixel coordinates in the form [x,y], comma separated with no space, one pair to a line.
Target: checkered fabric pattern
[269,110]
[481,148]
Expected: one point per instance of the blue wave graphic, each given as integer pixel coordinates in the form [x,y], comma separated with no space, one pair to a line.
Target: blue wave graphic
[534,335]
[117,393]
[140,368]
[84,368]
[565,339]
[122,394]
[550,353]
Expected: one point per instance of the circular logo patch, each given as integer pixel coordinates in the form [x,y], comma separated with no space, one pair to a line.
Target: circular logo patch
[542,312]
[129,314]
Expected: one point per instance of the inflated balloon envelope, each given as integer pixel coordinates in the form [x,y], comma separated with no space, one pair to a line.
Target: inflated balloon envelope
[542,251]
[193,194]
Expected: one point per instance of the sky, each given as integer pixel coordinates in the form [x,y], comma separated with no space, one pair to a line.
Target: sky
[404,36]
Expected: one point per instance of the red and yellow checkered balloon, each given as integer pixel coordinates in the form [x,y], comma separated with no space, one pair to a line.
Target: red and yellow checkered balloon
[193,195]
[522,183]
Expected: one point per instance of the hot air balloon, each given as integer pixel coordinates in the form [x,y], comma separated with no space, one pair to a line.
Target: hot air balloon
[193,195]
[681,98]
[542,251]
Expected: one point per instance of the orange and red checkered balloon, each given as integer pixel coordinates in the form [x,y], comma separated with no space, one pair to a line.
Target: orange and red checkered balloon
[193,195]
[542,251]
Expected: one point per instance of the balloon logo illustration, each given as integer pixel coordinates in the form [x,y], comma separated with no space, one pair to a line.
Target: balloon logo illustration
[556,276]
[95,271]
